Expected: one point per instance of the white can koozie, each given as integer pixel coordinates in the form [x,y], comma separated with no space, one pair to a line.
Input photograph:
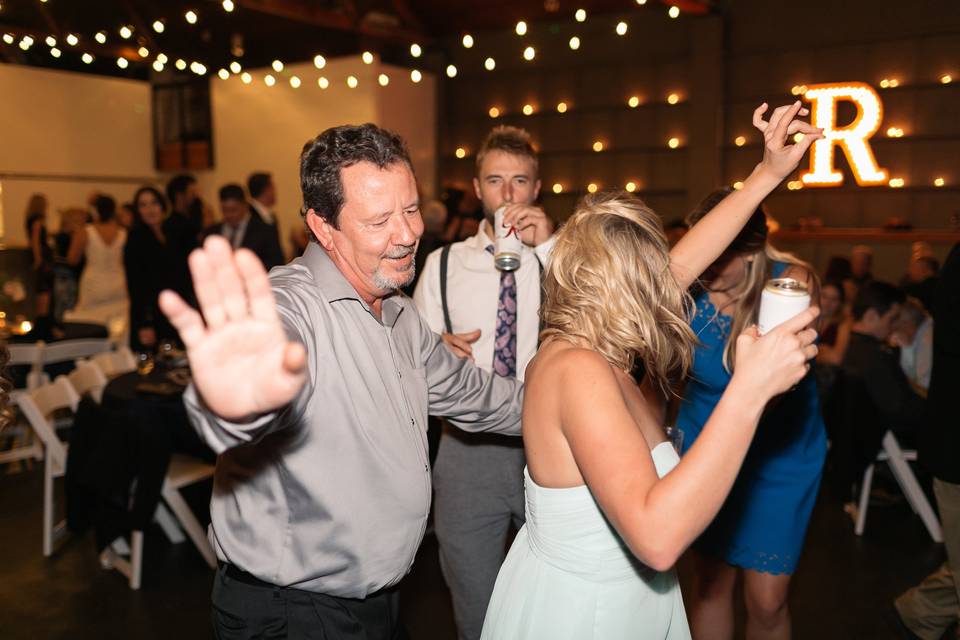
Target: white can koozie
[506,243]
[782,299]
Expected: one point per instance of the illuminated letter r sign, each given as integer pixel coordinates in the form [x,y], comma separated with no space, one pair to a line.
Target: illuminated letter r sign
[852,139]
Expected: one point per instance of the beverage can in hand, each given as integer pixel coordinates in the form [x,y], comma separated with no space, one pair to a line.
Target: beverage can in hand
[506,243]
[782,299]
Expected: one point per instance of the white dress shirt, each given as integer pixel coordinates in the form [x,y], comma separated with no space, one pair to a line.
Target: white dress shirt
[235,233]
[265,214]
[473,293]
[916,359]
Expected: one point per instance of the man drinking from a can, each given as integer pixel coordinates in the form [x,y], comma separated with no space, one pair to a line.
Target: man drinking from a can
[483,296]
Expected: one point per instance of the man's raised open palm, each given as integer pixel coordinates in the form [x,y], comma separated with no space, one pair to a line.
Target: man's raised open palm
[241,361]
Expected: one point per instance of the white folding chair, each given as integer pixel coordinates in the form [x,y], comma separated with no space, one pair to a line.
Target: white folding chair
[70,350]
[183,471]
[32,355]
[88,378]
[115,363]
[899,460]
[38,407]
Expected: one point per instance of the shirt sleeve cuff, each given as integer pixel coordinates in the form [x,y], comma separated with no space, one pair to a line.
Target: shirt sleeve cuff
[545,248]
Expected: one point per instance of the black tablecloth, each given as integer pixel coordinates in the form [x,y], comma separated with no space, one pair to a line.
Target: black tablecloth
[129,437]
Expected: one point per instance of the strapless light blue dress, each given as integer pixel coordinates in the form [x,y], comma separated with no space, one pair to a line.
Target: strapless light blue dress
[569,576]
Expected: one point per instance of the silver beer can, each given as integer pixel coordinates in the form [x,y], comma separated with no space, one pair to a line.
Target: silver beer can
[506,243]
[782,299]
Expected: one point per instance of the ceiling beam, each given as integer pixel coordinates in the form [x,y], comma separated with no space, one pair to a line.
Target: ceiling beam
[346,20]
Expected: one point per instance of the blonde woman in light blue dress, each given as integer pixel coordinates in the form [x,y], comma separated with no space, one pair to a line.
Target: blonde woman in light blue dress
[609,505]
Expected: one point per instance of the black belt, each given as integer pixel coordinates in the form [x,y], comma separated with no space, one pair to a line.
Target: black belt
[235,573]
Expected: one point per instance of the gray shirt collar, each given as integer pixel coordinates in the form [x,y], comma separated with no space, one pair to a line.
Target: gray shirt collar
[336,288]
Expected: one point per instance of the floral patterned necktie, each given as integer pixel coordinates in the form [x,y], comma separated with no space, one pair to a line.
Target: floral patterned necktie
[505,342]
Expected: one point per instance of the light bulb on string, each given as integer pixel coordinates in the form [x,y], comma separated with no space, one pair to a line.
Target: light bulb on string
[122,63]
[126,32]
[157,66]
[87,58]
[319,61]
[158,26]
[223,74]
[191,17]
[228,6]
[100,37]
[383,79]
[592,187]
[561,107]
[460,153]
[323,83]
[416,76]
[55,52]
[580,15]
[674,12]
[367,57]
[180,64]
[277,66]
[529,54]
[631,186]
[235,67]
[489,64]
[8,38]
[352,82]
[295,82]
[467,41]
[72,40]
[521,28]
[574,43]
[451,71]
[633,102]
[269,80]
[557,188]
[143,52]
[246,78]
[621,28]
[415,50]
[162,58]
[527,109]
[51,41]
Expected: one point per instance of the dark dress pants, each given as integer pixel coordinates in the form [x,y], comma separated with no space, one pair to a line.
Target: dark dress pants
[245,608]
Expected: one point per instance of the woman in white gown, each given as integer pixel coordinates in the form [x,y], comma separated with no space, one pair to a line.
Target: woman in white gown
[102,297]
[605,520]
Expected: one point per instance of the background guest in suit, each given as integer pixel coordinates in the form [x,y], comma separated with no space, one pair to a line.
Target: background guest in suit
[243,228]
[186,207]
[154,259]
[263,196]
[931,607]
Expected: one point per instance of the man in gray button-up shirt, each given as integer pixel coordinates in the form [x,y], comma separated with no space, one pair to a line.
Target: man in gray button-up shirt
[316,398]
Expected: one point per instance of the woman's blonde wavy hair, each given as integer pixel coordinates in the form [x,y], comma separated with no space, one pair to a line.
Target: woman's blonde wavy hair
[609,284]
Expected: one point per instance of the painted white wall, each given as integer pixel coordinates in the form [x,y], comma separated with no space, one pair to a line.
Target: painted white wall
[60,124]
[261,128]
[54,125]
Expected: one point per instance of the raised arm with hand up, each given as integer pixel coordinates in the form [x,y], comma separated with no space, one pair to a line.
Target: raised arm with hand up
[241,360]
[704,243]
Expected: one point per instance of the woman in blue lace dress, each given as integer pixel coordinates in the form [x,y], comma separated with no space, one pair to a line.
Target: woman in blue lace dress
[761,526]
